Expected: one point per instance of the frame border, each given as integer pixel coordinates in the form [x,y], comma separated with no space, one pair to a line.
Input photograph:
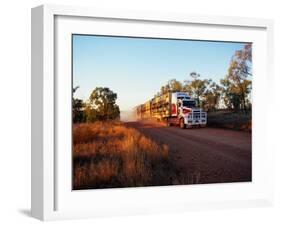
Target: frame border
[43,124]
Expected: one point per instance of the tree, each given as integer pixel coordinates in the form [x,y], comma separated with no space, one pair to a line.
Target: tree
[172,85]
[196,87]
[211,97]
[194,75]
[175,86]
[101,105]
[237,86]
[243,62]
[77,108]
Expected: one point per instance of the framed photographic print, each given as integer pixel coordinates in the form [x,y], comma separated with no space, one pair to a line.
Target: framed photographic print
[137,112]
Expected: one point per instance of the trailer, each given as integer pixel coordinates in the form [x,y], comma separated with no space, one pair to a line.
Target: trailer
[174,108]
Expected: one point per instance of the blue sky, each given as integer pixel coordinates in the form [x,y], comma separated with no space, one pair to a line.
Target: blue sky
[136,68]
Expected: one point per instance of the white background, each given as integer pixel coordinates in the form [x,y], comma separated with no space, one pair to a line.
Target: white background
[15,112]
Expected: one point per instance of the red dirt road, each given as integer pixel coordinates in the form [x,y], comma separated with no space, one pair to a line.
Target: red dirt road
[211,155]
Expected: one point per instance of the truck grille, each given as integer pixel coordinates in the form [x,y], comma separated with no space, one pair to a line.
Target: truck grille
[196,115]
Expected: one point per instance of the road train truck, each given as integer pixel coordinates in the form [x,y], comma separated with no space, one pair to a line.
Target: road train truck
[176,108]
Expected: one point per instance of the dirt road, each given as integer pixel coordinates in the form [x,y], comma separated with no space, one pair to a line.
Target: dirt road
[209,154]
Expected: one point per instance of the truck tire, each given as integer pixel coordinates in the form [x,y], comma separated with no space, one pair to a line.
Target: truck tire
[168,124]
[182,125]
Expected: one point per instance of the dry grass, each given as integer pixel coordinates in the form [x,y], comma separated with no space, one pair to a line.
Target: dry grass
[109,154]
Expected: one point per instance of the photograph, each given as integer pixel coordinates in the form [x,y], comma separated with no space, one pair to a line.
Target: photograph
[149,111]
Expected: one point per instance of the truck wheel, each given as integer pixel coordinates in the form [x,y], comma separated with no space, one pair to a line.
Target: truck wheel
[168,124]
[182,125]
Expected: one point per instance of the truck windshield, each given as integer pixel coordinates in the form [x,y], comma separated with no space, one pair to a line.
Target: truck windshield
[189,104]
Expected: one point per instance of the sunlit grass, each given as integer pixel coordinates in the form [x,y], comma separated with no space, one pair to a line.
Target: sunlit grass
[109,154]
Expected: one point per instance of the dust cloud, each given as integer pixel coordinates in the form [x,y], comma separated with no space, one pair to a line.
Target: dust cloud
[128,116]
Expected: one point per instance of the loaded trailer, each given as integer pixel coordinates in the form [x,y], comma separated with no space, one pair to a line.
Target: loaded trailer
[174,108]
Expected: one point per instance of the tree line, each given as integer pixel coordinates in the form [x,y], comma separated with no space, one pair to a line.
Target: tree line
[100,106]
[232,92]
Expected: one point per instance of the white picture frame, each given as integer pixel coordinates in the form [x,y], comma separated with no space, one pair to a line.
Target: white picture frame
[51,197]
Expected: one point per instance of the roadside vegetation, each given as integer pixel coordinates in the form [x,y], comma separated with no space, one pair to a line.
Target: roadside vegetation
[110,154]
[238,120]
[100,106]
